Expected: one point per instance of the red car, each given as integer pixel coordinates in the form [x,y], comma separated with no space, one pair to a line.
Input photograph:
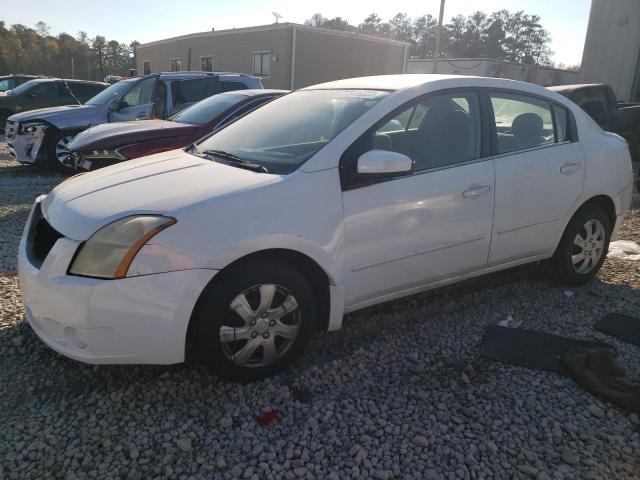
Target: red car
[112,143]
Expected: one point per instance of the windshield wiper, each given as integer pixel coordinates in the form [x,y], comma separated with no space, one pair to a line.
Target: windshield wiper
[235,160]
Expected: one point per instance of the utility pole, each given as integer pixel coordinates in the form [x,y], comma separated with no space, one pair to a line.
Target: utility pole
[73,68]
[438,38]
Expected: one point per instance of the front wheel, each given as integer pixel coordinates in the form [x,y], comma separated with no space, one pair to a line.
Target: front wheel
[254,321]
[56,152]
[584,246]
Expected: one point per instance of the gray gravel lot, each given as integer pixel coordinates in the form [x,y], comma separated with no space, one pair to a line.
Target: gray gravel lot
[400,392]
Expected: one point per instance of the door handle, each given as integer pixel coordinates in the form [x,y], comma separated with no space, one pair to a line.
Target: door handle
[141,115]
[476,191]
[569,168]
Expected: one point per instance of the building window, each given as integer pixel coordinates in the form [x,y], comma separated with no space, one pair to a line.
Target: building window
[206,63]
[262,64]
[146,67]
[175,64]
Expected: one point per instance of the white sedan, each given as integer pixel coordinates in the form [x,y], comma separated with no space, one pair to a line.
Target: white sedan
[326,200]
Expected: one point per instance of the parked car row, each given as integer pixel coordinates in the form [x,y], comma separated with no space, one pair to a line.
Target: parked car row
[42,136]
[320,202]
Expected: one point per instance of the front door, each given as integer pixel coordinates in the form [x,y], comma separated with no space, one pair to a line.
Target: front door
[539,175]
[415,229]
[137,103]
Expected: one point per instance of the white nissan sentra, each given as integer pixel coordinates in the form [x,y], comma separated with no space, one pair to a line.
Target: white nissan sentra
[324,201]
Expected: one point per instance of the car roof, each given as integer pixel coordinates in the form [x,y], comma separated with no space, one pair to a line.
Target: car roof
[253,92]
[577,86]
[68,80]
[384,82]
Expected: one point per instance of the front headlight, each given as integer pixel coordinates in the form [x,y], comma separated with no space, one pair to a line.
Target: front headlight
[31,127]
[109,252]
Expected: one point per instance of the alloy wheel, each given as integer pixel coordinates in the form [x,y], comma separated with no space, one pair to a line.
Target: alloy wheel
[263,324]
[588,246]
[62,151]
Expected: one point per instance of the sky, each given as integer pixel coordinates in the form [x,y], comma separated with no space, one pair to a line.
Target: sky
[148,20]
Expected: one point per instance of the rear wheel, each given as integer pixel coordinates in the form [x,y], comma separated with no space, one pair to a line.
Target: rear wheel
[584,246]
[255,321]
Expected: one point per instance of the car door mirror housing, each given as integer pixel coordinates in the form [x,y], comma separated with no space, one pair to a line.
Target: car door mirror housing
[384,162]
[114,105]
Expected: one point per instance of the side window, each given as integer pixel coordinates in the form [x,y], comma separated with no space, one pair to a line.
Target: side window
[522,122]
[146,67]
[230,85]
[140,94]
[63,93]
[436,132]
[46,90]
[189,91]
[561,120]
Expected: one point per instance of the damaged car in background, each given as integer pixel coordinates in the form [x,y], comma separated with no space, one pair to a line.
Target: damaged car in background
[41,92]
[112,143]
[41,137]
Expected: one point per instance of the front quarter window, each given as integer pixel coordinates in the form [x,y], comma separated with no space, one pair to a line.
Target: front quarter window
[286,132]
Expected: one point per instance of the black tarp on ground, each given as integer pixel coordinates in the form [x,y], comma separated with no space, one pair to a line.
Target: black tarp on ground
[595,369]
[530,348]
[591,364]
[624,327]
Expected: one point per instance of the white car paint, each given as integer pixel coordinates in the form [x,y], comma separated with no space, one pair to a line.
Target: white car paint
[375,243]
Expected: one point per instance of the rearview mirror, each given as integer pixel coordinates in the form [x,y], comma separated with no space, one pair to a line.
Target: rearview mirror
[384,162]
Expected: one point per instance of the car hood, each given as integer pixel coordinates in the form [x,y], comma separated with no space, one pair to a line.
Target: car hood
[112,135]
[58,116]
[163,184]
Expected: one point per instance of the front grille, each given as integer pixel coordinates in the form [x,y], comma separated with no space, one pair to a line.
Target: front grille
[41,239]
[10,130]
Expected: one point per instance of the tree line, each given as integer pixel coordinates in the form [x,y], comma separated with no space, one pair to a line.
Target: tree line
[36,51]
[516,37]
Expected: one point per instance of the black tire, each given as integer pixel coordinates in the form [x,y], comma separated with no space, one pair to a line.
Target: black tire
[562,259]
[213,312]
[47,156]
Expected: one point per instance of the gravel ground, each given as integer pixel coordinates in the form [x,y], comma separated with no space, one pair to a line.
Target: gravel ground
[400,392]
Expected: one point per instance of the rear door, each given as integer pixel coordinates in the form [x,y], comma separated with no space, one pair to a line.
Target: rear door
[539,169]
[137,103]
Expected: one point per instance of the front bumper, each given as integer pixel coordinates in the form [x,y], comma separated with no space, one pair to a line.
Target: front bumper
[25,147]
[133,320]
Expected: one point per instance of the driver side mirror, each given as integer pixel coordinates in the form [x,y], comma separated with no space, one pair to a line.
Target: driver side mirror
[114,105]
[30,94]
[384,162]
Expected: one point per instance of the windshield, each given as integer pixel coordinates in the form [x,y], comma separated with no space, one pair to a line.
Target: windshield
[287,131]
[112,93]
[208,109]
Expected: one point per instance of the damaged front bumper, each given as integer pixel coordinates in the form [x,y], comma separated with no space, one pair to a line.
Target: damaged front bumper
[27,143]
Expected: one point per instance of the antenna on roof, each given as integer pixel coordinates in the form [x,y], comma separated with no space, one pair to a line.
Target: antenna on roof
[277,15]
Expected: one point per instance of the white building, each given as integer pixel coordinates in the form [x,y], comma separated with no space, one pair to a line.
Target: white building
[612,48]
